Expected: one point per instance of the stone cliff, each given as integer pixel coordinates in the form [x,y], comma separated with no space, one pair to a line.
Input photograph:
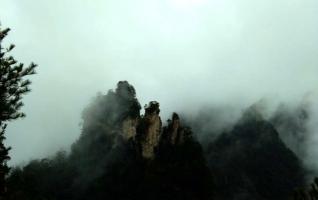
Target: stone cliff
[149,130]
[122,154]
[146,130]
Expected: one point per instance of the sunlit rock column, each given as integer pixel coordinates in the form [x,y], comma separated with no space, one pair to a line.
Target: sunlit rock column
[150,130]
[129,126]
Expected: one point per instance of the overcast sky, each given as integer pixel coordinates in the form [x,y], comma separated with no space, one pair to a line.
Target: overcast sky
[183,53]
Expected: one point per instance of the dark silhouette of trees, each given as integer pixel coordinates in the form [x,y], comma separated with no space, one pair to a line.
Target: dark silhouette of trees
[310,193]
[252,162]
[104,165]
[248,162]
[13,86]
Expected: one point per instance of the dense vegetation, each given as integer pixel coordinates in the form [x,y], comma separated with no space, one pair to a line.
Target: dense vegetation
[13,85]
[103,165]
[249,162]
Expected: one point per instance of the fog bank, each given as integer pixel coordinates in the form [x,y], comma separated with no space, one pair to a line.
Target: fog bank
[184,54]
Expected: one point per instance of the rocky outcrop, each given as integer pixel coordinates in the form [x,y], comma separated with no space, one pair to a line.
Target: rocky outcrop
[175,129]
[118,114]
[129,128]
[124,155]
[149,130]
[174,133]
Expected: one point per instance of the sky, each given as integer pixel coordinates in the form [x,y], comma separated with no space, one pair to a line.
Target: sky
[183,53]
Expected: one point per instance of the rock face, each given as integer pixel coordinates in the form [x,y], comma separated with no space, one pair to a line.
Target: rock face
[149,130]
[175,128]
[124,155]
[129,127]
[118,114]
[250,161]
[174,133]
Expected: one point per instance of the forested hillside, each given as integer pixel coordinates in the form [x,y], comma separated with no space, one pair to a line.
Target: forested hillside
[122,154]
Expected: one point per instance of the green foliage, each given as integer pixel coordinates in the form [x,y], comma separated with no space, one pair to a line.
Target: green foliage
[13,86]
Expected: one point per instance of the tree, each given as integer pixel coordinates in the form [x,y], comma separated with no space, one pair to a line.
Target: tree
[13,86]
[307,193]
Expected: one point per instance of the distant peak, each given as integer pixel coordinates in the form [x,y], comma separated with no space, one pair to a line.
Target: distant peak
[253,113]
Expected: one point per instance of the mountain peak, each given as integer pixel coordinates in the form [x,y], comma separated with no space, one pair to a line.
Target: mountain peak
[252,113]
[125,90]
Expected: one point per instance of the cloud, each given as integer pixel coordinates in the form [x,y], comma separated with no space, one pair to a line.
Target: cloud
[230,52]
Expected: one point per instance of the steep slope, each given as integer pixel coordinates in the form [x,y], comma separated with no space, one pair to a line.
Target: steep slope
[251,161]
[120,155]
[123,155]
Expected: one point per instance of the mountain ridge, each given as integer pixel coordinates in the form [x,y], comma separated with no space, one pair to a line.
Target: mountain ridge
[123,154]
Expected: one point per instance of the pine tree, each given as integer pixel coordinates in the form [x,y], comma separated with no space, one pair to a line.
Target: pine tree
[13,86]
